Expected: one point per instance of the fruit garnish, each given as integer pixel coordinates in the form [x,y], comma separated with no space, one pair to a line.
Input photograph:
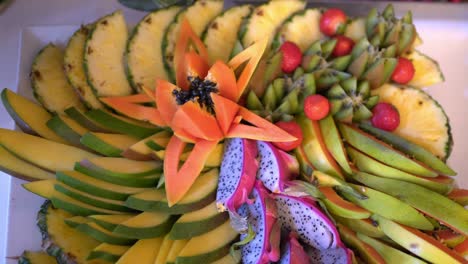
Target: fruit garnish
[403,72]
[292,57]
[316,107]
[344,46]
[292,128]
[332,21]
[385,116]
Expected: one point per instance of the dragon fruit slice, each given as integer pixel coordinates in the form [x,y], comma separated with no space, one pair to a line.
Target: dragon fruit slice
[293,252]
[274,170]
[236,178]
[337,255]
[302,216]
[264,248]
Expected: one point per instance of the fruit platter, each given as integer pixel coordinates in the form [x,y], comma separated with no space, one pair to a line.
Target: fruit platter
[273,133]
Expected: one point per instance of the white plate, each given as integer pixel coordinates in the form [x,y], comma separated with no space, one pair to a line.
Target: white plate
[444,41]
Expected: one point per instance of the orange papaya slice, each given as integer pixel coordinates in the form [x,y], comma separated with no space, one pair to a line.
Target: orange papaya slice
[135,111]
[186,37]
[177,184]
[226,110]
[174,150]
[252,54]
[262,129]
[225,80]
[339,206]
[165,100]
[193,119]
[195,65]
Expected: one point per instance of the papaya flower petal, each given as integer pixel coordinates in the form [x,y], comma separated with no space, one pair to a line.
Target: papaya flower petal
[224,77]
[165,100]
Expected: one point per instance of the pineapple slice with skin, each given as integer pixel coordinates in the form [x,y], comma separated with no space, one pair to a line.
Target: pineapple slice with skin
[50,86]
[427,71]
[301,28]
[73,62]
[220,35]
[199,15]
[103,56]
[266,18]
[422,119]
[143,56]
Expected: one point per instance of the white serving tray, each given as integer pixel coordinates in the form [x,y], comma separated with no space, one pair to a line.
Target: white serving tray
[445,41]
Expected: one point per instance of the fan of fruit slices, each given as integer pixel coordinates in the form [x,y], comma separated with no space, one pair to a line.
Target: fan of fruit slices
[257,134]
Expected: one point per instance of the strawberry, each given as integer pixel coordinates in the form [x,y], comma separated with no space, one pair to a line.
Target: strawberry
[292,57]
[316,107]
[404,71]
[332,21]
[385,116]
[343,47]
[292,128]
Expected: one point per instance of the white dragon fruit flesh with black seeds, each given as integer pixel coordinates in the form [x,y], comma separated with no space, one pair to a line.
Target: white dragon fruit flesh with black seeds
[237,175]
[261,215]
[293,252]
[273,170]
[337,255]
[302,216]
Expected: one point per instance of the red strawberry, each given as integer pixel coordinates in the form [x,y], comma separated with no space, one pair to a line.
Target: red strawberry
[292,128]
[404,71]
[385,116]
[332,21]
[343,47]
[292,57]
[316,107]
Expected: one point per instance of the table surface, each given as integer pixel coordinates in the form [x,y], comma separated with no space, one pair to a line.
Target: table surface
[445,40]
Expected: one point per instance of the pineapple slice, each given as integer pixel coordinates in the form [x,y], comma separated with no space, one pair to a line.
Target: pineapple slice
[265,20]
[143,57]
[422,119]
[73,62]
[49,83]
[103,57]
[221,34]
[427,70]
[199,15]
[302,29]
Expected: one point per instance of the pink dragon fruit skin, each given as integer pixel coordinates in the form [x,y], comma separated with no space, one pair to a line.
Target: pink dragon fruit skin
[293,252]
[274,170]
[302,216]
[237,174]
[262,215]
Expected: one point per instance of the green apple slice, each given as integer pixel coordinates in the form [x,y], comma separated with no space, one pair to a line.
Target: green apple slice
[79,116]
[390,207]
[431,203]
[144,251]
[365,251]
[67,128]
[363,226]
[20,109]
[108,252]
[141,151]
[315,148]
[109,145]
[410,148]
[145,225]
[417,242]
[77,207]
[176,248]
[120,124]
[388,253]
[21,169]
[95,186]
[202,193]
[440,184]
[102,235]
[334,142]
[198,222]
[43,153]
[208,247]
[383,152]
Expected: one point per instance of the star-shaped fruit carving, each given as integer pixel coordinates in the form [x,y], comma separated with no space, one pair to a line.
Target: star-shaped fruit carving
[201,108]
